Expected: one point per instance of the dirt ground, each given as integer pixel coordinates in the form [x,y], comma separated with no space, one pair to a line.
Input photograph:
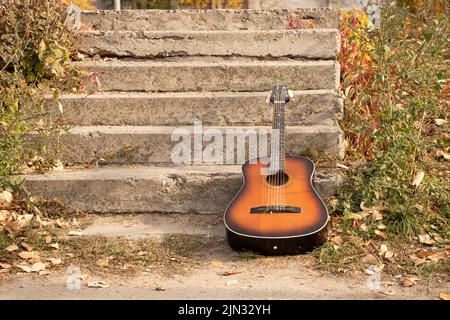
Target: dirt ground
[266,278]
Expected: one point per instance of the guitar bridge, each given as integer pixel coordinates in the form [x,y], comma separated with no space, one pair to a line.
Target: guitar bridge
[275,209]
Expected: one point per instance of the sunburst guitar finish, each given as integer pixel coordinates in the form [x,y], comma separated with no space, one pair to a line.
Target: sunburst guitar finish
[278,213]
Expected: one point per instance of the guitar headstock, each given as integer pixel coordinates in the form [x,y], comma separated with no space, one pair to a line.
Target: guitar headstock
[279,94]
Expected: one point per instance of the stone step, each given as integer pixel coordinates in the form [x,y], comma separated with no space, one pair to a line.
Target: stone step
[304,44]
[221,75]
[148,145]
[199,188]
[183,108]
[148,20]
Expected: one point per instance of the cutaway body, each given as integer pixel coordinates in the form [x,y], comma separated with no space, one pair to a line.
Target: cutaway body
[278,213]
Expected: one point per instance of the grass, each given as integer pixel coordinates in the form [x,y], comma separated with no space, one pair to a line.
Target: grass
[5,240]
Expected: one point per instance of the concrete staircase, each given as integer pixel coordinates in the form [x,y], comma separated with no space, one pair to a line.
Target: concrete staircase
[160,70]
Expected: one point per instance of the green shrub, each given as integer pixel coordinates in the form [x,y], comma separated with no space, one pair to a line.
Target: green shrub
[35,48]
[396,84]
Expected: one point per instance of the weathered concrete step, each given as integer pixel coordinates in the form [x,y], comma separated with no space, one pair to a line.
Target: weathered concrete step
[305,43]
[211,76]
[140,20]
[147,145]
[200,188]
[183,108]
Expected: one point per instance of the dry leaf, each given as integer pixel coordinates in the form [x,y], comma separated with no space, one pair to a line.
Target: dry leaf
[310,261]
[383,250]
[363,227]
[388,254]
[426,239]
[409,281]
[24,267]
[55,261]
[418,178]
[6,198]
[44,272]
[5,265]
[217,263]
[11,248]
[98,284]
[12,226]
[444,296]
[376,215]
[27,246]
[435,257]
[38,266]
[103,262]
[54,245]
[417,261]
[370,259]
[230,273]
[28,254]
[48,239]
[380,234]
[337,240]
[440,122]
[381,226]
[315,273]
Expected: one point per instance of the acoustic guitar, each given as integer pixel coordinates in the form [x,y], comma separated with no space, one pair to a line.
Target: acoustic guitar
[277,210]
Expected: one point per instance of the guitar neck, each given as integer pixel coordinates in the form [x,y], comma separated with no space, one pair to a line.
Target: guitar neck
[277,147]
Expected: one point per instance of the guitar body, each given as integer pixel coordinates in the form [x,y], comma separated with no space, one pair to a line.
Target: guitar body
[277,214]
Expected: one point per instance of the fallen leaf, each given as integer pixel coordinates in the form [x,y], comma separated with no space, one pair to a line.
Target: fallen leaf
[75,233]
[11,248]
[435,257]
[444,296]
[380,234]
[44,272]
[55,261]
[383,250]
[38,266]
[337,239]
[27,246]
[12,226]
[388,254]
[376,215]
[217,263]
[103,262]
[6,198]
[418,178]
[381,226]
[230,273]
[5,265]
[370,259]
[409,281]
[54,245]
[48,239]
[28,254]
[310,261]
[417,261]
[426,239]
[363,227]
[315,273]
[440,122]
[24,267]
[98,284]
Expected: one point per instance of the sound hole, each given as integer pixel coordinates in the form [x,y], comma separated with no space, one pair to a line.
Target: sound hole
[277,179]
